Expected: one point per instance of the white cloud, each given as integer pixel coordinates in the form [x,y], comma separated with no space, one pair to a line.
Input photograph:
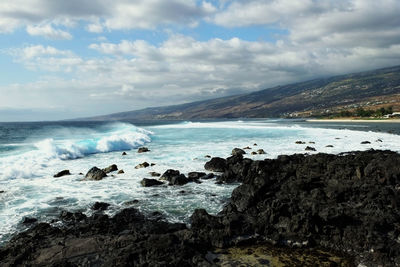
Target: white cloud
[116,14]
[48,31]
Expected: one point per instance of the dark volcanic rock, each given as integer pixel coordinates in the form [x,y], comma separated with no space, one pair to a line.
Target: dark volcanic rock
[168,174]
[238,151]
[155,174]
[310,148]
[150,182]
[365,142]
[121,171]
[124,154]
[261,151]
[28,220]
[180,179]
[216,165]
[329,146]
[196,175]
[111,168]
[2,191]
[62,173]
[142,165]
[347,203]
[100,206]
[143,149]
[300,142]
[95,174]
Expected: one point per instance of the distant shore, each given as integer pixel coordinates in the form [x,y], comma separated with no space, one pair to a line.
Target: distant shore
[354,120]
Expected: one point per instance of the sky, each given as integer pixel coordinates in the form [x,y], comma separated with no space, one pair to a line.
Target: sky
[80,58]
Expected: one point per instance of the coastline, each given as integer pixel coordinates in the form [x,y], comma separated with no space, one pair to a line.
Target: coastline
[355,120]
[288,202]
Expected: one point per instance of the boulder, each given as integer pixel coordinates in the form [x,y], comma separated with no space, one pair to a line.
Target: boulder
[95,174]
[180,179]
[365,142]
[196,175]
[309,148]
[62,173]
[152,164]
[247,147]
[143,149]
[207,156]
[142,165]
[150,182]
[168,174]
[28,220]
[121,171]
[329,146]
[124,154]
[238,151]
[111,168]
[216,165]
[2,191]
[261,151]
[155,174]
[253,153]
[100,206]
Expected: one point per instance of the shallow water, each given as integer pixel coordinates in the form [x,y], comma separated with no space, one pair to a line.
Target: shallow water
[31,153]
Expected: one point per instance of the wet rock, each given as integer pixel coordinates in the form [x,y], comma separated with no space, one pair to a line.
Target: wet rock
[152,164]
[100,206]
[261,151]
[143,150]
[95,174]
[142,165]
[150,182]
[124,154]
[121,172]
[216,165]
[131,202]
[311,142]
[155,174]
[196,175]
[329,146]
[111,168]
[300,142]
[365,142]
[309,148]
[180,179]
[207,156]
[254,144]
[169,174]
[28,220]
[253,153]
[238,151]
[379,140]
[62,173]
[2,191]
[247,147]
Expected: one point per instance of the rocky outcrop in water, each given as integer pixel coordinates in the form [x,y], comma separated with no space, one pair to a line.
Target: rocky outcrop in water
[62,173]
[348,204]
[111,168]
[95,174]
[150,182]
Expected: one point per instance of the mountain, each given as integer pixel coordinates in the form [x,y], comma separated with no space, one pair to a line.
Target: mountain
[370,89]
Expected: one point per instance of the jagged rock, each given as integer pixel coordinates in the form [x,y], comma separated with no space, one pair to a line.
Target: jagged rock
[121,171]
[300,142]
[309,148]
[365,142]
[124,154]
[238,151]
[95,174]
[216,165]
[143,149]
[62,173]
[142,165]
[100,206]
[155,174]
[168,174]
[28,220]
[261,151]
[196,175]
[150,182]
[111,168]
[180,179]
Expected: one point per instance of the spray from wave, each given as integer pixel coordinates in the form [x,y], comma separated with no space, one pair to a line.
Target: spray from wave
[120,137]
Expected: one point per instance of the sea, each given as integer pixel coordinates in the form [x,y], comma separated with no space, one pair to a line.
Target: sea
[32,152]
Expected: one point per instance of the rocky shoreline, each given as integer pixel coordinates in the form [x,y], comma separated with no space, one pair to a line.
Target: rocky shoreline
[319,209]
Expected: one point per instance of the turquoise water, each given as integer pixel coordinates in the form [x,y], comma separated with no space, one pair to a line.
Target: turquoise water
[31,153]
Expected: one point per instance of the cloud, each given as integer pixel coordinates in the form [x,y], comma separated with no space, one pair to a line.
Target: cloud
[116,14]
[48,31]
